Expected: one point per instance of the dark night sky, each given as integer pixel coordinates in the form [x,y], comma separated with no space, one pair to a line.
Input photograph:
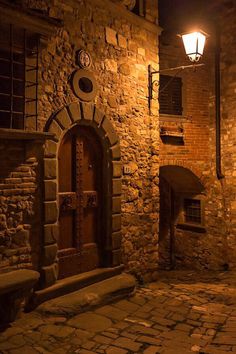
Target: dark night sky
[180,15]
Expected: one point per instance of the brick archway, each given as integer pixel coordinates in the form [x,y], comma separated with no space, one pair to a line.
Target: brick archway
[81,114]
[189,167]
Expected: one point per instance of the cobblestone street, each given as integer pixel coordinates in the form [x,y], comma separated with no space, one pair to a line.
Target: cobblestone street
[183,312]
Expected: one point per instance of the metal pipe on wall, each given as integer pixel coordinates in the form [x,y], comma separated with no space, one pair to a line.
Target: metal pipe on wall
[217,103]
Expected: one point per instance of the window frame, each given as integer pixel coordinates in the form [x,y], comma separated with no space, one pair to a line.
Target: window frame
[19,57]
[171,82]
[182,223]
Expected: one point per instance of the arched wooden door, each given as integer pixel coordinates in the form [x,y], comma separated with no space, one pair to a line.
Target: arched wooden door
[80,182]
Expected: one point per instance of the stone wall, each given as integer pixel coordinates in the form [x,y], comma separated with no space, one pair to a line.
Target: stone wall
[19,205]
[121,45]
[226,13]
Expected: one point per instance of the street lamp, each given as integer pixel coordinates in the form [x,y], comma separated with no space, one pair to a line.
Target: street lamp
[194,43]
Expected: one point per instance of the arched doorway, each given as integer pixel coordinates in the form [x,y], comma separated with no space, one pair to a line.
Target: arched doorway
[81,131]
[80,161]
[181,195]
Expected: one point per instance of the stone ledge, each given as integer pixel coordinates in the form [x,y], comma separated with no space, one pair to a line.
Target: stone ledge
[17,134]
[17,279]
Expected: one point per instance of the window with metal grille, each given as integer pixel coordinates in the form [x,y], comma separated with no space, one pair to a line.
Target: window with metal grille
[139,8]
[18,78]
[170,95]
[192,211]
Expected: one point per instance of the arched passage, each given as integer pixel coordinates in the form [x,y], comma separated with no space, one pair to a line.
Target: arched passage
[181,204]
[76,127]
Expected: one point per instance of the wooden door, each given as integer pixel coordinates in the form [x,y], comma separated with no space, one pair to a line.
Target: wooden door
[80,168]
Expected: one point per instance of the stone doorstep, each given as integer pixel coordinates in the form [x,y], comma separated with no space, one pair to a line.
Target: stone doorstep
[73,283]
[99,293]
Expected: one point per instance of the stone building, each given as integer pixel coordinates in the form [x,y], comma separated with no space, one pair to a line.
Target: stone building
[78,148]
[96,178]
[196,147]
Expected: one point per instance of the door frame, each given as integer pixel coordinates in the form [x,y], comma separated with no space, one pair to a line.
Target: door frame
[81,114]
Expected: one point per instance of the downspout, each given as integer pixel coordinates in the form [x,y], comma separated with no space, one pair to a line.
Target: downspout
[217,104]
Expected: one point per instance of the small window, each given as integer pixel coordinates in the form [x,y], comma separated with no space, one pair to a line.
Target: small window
[139,8]
[192,211]
[170,95]
[18,78]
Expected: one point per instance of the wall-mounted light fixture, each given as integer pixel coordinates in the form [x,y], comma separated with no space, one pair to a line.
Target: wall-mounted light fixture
[194,43]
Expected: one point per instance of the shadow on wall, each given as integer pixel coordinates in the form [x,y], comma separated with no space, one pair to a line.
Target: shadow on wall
[177,184]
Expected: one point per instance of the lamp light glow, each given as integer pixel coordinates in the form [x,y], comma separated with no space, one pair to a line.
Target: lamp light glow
[194,43]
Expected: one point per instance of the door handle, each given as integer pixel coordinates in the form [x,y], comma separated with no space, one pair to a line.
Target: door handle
[90,199]
[67,201]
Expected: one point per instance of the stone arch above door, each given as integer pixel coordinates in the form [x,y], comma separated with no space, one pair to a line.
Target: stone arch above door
[87,114]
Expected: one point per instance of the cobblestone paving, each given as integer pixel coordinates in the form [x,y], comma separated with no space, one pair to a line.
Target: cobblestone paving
[183,312]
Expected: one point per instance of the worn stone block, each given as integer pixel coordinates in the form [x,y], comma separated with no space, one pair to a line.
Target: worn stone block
[98,116]
[50,254]
[63,118]
[110,131]
[49,275]
[110,65]
[125,69]
[116,222]
[50,190]
[116,240]
[87,109]
[51,233]
[51,212]
[111,36]
[55,129]
[122,41]
[116,258]
[116,186]
[50,148]
[116,169]
[116,204]
[50,168]
[115,152]
[74,111]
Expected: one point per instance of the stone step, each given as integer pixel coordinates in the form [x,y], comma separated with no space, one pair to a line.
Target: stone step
[73,283]
[100,293]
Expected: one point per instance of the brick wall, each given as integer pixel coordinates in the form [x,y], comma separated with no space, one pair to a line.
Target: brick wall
[195,150]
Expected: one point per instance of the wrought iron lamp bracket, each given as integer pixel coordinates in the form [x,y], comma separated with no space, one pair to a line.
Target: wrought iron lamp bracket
[152,83]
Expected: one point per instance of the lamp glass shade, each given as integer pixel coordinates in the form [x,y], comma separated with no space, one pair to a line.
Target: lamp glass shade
[194,44]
